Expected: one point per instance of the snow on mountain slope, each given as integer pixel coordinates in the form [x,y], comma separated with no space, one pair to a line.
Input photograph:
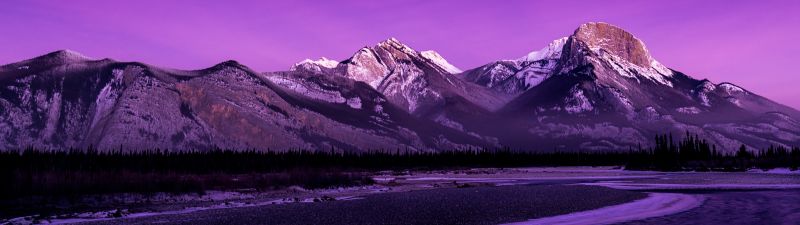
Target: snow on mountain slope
[618,50]
[615,49]
[551,52]
[597,89]
[419,82]
[365,66]
[132,106]
[539,65]
[315,65]
[607,78]
[515,76]
[439,61]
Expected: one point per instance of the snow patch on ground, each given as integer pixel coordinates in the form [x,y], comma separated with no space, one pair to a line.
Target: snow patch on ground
[663,186]
[124,213]
[521,180]
[776,171]
[655,205]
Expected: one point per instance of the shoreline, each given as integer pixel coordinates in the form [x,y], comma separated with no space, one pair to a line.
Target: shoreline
[655,205]
[451,205]
[459,180]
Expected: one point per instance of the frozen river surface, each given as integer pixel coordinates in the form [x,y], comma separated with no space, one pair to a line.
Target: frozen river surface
[535,196]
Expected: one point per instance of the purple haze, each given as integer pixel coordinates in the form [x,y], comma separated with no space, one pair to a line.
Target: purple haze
[750,43]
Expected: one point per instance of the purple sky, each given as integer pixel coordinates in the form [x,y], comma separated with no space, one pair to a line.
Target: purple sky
[750,43]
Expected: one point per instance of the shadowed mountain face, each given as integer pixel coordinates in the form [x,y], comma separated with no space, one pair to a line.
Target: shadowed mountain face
[63,100]
[597,89]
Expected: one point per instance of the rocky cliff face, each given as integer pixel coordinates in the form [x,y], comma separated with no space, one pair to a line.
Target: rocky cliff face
[615,41]
[511,77]
[607,91]
[597,89]
[421,82]
[60,101]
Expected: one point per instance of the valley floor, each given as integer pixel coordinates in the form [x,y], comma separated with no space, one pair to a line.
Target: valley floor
[578,195]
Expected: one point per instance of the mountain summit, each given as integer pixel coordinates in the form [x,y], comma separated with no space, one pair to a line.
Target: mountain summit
[596,89]
[613,52]
[591,44]
[614,40]
[605,79]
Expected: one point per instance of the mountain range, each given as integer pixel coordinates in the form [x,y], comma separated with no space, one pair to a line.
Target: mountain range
[597,89]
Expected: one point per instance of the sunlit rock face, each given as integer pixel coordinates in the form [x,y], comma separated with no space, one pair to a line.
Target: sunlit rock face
[421,82]
[613,40]
[597,89]
[603,76]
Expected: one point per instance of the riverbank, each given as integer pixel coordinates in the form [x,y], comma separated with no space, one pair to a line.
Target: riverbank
[440,196]
[473,205]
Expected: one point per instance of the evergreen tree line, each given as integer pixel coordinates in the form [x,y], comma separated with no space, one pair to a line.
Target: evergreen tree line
[697,154]
[75,171]
[690,153]
[227,161]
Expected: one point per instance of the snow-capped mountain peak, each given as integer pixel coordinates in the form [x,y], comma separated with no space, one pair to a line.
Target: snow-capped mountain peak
[396,44]
[614,40]
[67,55]
[60,57]
[365,66]
[373,64]
[552,51]
[438,60]
[612,52]
[518,75]
[619,51]
[598,89]
[71,54]
[538,65]
[315,65]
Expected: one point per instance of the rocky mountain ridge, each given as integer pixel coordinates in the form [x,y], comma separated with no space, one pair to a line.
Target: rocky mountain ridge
[597,89]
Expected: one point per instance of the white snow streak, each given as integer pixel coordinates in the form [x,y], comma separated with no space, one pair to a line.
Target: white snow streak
[552,51]
[651,186]
[655,205]
[438,60]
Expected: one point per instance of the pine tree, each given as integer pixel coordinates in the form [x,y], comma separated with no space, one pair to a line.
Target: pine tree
[743,153]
